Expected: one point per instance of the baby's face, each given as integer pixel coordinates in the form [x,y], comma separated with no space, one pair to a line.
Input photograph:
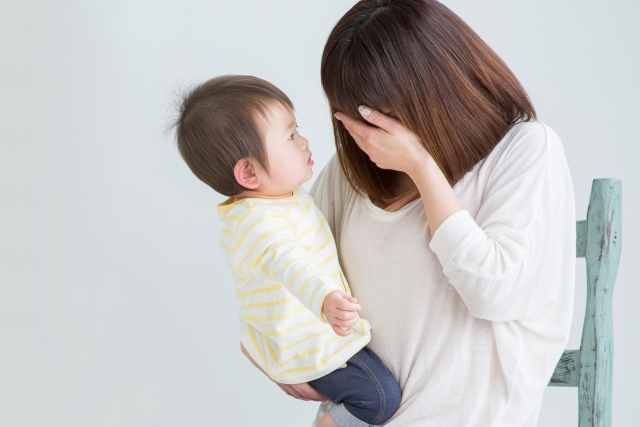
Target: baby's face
[290,163]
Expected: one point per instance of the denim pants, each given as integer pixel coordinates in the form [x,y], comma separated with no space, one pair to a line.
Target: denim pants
[364,393]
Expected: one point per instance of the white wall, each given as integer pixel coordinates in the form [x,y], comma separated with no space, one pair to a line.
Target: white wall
[116,305]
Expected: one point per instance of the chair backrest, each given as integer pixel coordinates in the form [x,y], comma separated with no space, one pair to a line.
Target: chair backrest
[590,369]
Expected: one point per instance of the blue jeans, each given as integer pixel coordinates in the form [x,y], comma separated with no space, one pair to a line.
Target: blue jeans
[365,388]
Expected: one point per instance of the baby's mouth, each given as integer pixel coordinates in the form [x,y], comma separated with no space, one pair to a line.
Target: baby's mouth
[310,161]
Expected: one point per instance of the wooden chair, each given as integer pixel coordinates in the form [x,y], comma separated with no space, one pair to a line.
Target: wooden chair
[598,239]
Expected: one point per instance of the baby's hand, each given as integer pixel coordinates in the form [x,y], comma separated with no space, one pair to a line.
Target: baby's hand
[340,309]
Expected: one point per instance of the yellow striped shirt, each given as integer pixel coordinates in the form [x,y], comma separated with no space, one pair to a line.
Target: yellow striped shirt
[283,258]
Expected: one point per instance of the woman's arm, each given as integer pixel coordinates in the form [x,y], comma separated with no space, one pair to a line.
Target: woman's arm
[519,219]
[302,391]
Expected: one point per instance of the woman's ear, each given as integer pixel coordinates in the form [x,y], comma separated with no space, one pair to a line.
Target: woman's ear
[245,174]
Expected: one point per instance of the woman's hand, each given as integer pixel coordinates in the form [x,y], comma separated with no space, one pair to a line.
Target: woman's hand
[390,145]
[302,391]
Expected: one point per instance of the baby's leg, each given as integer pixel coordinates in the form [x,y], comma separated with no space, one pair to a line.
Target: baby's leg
[326,421]
[364,393]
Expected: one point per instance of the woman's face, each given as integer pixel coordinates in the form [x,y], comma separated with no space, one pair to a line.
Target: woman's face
[442,81]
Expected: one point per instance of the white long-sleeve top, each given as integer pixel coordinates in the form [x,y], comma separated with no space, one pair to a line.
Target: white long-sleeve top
[473,320]
[283,257]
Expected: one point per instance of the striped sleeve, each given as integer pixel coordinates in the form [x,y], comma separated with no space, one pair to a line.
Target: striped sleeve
[266,248]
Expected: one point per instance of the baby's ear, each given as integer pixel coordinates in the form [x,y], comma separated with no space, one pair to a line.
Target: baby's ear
[245,174]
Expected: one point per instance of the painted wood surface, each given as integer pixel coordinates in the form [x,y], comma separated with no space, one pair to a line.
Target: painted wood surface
[568,370]
[599,240]
[581,239]
[604,239]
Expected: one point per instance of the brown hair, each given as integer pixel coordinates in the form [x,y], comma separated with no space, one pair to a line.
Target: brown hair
[218,124]
[420,63]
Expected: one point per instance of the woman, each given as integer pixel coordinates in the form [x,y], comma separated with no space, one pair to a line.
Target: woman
[454,215]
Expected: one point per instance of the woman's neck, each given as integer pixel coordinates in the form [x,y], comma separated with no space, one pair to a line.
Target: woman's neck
[404,184]
[405,192]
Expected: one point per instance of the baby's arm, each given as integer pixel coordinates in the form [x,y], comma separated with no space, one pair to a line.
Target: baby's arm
[268,249]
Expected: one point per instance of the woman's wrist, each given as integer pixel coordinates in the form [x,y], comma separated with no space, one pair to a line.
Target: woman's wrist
[421,165]
[438,197]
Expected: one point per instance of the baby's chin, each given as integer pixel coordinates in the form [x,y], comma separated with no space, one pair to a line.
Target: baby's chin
[309,175]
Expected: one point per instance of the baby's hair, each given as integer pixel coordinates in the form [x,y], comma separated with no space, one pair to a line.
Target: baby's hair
[219,123]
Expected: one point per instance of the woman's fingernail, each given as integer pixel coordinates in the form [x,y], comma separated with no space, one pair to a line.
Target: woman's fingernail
[365,111]
[336,116]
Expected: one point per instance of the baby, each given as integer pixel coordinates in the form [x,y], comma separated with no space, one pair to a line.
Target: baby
[299,323]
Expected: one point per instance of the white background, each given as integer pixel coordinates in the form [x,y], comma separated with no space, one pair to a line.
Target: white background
[116,306]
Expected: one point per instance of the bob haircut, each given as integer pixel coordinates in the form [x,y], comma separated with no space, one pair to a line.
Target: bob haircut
[418,62]
[219,123]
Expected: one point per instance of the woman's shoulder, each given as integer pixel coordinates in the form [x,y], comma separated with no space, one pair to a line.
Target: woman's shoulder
[526,142]
[528,148]
[330,182]
[528,137]
[331,193]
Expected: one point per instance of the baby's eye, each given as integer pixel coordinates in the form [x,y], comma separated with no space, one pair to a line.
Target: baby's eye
[291,137]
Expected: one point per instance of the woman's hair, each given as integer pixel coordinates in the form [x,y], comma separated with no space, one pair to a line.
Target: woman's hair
[219,123]
[418,62]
